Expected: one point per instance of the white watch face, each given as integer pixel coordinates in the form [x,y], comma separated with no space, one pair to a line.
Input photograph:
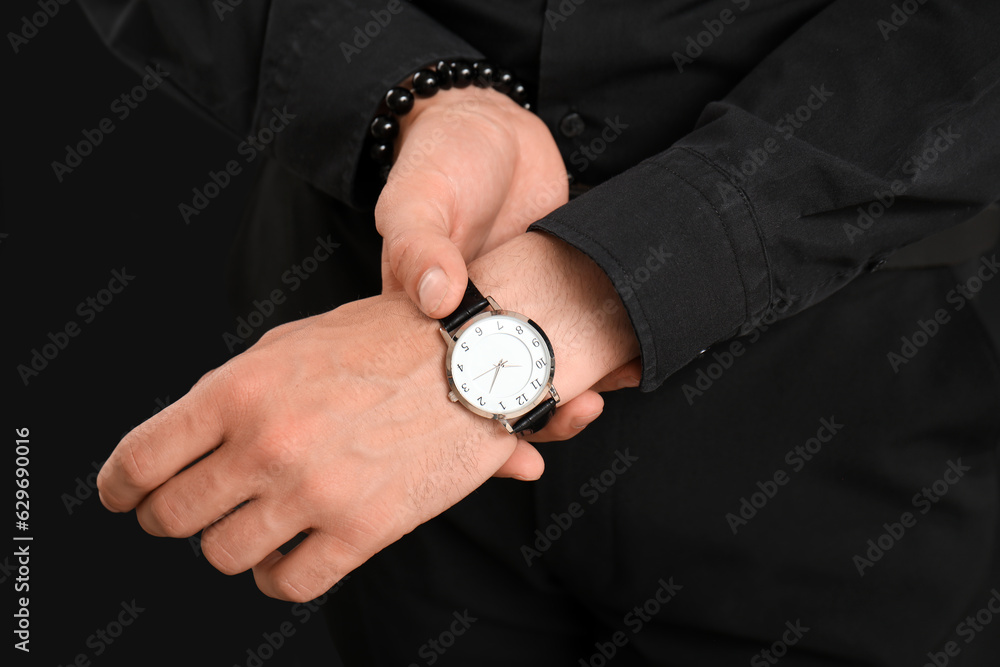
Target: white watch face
[500,364]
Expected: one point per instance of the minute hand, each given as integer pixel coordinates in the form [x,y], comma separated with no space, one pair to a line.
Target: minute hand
[494,366]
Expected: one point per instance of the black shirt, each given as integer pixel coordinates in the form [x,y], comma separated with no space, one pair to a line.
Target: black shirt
[748,157]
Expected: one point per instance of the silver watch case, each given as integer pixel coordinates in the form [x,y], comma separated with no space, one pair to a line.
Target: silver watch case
[548,391]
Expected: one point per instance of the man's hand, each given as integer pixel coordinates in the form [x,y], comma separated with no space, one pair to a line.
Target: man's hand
[339,426]
[473,170]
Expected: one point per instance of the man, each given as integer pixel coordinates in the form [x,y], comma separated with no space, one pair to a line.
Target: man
[820,488]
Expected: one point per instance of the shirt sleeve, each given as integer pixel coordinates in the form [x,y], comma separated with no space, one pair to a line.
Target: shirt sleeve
[320,67]
[869,128]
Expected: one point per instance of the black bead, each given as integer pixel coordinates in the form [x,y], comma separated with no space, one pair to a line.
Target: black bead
[519,94]
[461,74]
[483,74]
[425,83]
[503,81]
[399,100]
[385,128]
[443,69]
[382,153]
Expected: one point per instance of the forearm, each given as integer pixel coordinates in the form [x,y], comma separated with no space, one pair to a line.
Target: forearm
[570,297]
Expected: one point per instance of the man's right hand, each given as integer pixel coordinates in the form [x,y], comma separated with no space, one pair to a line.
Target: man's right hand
[474,170]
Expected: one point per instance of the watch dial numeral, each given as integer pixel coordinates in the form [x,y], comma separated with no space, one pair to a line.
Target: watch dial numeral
[519,329]
[522,399]
[539,364]
[465,387]
[534,341]
[499,325]
[502,406]
[482,401]
[461,367]
[536,384]
[479,331]
[465,346]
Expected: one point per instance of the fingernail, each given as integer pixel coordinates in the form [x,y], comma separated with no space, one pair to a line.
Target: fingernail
[432,289]
[581,423]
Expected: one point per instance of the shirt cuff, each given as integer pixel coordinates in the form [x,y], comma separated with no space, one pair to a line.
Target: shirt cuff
[680,244]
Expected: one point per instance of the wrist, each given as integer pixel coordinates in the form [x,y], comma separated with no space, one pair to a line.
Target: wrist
[402,104]
[569,297]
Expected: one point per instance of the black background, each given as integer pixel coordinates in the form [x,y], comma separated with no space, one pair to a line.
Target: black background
[118,209]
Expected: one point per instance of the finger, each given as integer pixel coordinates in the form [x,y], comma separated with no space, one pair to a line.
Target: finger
[413,218]
[160,447]
[626,375]
[430,269]
[195,497]
[308,570]
[246,536]
[571,417]
[525,464]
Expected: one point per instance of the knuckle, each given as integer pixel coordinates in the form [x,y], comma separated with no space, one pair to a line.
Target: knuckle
[277,451]
[110,495]
[133,459]
[243,385]
[293,591]
[167,516]
[217,552]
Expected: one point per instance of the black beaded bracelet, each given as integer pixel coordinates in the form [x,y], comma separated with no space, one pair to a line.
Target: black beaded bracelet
[426,83]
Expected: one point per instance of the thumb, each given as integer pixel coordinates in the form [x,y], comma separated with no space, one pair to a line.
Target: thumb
[429,267]
[419,256]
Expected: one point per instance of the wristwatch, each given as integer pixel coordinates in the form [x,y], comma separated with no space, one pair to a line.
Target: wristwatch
[499,364]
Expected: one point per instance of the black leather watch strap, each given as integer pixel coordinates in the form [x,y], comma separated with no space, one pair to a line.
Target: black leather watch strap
[473,302]
[536,419]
